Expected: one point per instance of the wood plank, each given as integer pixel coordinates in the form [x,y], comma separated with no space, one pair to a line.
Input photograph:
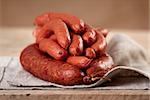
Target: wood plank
[77,94]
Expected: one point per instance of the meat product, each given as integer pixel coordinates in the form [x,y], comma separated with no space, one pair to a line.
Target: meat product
[89,37]
[100,45]
[53,49]
[44,67]
[76,47]
[98,68]
[90,53]
[60,30]
[81,62]
[75,23]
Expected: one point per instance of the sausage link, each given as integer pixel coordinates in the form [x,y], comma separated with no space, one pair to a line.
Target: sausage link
[100,45]
[76,47]
[90,53]
[44,67]
[103,31]
[36,31]
[89,37]
[42,33]
[81,62]
[53,37]
[60,30]
[53,49]
[75,23]
[98,68]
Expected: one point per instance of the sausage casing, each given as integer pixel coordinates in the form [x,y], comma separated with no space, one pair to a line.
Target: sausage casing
[76,47]
[44,67]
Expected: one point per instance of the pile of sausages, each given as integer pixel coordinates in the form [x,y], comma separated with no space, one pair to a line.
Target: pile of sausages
[67,51]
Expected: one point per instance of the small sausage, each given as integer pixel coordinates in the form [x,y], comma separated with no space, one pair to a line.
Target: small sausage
[42,33]
[44,67]
[81,62]
[75,23]
[36,31]
[98,68]
[76,47]
[90,53]
[53,37]
[60,30]
[103,31]
[53,49]
[89,37]
[100,45]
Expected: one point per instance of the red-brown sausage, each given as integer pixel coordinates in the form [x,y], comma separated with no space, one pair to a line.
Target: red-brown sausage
[90,53]
[98,68]
[89,37]
[81,62]
[100,45]
[36,31]
[53,37]
[76,47]
[60,30]
[72,21]
[44,67]
[103,31]
[53,49]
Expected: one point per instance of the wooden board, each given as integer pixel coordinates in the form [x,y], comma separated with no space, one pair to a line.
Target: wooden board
[77,94]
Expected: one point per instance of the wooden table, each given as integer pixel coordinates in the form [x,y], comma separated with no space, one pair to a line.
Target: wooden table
[77,94]
[12,41]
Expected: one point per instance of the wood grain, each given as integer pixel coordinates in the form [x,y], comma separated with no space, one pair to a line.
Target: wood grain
[76,94]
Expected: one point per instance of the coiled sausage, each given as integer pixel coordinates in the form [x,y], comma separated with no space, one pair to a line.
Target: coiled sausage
[44,67]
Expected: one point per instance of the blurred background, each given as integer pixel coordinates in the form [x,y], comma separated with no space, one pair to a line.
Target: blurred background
[119,16]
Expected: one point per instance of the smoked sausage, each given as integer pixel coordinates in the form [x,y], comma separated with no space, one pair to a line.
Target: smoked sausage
[90,53]
[67,50]
[60,30]
[75,23]
[89,37]
[103,31]
[81,62]
[44,67]
[53,49]
[76,47]
[100,45]
[98,68]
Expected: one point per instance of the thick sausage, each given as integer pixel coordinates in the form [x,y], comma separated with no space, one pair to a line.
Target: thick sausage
[98,68]
[75,23]
[81,62]
[42,66]
[100,45]
[53,49]
[90,53]
[60,30]
[76,47]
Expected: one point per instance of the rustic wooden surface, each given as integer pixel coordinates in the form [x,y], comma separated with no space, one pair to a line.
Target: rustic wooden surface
[12,41]
[77,94]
